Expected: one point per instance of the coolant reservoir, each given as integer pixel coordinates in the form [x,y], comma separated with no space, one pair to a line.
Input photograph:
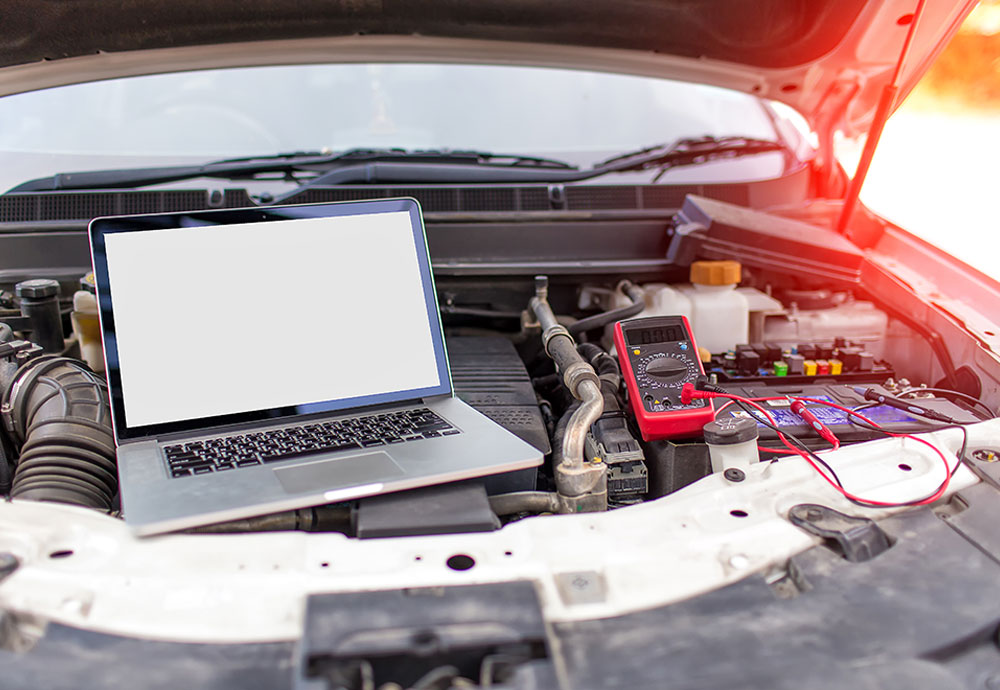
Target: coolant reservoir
[86,324]
[720,316]
[660,299]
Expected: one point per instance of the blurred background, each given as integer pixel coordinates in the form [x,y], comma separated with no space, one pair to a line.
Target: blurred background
[936,170]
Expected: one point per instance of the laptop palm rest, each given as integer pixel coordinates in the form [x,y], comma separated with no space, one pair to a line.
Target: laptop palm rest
[357,469]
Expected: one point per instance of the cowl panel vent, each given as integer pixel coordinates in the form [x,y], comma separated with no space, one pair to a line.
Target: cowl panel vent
[83,206]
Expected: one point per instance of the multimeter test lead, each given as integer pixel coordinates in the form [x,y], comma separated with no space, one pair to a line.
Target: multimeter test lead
[905,405]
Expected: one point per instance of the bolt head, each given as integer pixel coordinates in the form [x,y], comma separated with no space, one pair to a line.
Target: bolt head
[734,474]
[37,288]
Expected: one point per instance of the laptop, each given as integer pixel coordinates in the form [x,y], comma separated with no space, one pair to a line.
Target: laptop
[263,360]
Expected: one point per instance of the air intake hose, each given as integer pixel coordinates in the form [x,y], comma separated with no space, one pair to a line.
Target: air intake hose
[57,411]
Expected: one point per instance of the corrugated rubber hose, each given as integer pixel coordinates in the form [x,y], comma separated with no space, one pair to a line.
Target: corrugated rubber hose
[58,413]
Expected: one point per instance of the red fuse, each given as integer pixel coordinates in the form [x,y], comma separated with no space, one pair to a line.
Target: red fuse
[822,367]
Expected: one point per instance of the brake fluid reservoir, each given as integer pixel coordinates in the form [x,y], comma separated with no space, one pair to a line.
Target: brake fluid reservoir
[86,324]
[720,316]
[732,445]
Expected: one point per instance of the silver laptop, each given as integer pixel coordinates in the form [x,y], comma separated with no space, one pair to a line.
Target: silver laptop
[262,360]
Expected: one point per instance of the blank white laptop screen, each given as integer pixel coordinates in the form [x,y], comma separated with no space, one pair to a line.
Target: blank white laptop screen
[217,320]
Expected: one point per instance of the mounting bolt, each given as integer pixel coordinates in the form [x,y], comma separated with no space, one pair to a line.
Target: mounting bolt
[734,474]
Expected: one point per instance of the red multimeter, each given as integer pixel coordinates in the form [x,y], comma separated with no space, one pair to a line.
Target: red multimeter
[658,356]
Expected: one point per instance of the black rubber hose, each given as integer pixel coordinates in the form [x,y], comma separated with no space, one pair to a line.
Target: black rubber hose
[634,293]
[61,419]
[603,363]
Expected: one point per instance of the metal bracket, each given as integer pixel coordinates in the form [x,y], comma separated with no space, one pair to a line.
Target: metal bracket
[858,539]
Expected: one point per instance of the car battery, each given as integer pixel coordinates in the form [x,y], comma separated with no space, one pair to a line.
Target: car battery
[890,418]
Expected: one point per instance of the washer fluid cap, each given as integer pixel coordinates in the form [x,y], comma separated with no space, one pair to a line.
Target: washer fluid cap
[715,272]
[37,288]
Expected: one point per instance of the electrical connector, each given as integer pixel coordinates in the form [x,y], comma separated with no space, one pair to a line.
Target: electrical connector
[610,441]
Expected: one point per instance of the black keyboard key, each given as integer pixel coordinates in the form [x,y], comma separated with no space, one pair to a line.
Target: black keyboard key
[450,432]
[373,442]
[182,455]
[180,472]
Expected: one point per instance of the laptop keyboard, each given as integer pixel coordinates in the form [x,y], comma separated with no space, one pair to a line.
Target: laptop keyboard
[255,448]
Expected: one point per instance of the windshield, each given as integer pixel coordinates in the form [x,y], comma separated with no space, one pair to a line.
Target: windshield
[577,116]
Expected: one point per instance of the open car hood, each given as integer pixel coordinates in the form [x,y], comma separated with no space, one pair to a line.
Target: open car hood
[829,59]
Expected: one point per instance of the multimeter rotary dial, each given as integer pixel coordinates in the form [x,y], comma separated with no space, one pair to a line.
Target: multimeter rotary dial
[665,371]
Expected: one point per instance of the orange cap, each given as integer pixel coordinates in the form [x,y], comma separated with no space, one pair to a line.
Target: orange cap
[715,272]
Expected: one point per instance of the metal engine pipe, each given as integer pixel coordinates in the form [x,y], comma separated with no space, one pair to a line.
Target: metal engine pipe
[580,423]
[580,485]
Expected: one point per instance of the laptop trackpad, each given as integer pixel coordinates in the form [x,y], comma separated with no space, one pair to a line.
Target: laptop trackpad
[323,474]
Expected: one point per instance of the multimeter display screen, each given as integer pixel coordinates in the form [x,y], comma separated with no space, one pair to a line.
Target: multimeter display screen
[656,334]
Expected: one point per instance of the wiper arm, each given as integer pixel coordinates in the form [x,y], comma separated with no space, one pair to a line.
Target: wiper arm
[689,151]
[288,163]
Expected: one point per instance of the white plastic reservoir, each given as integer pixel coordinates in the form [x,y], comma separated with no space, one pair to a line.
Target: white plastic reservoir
[661,300]
[720,316]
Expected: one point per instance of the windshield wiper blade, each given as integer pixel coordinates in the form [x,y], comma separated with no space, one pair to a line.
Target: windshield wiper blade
[686,151]
[398,166]
[288,163]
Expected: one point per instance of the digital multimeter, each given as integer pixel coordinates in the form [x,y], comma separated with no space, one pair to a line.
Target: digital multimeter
[658,356]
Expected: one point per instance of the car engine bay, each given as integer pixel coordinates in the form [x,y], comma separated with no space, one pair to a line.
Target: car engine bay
[826,405]
[810,353]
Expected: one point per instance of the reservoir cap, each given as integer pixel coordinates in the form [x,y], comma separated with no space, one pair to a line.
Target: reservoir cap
[728,431]
[715,272]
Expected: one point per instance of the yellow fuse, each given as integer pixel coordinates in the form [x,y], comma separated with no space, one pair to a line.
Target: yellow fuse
[809,367]
[836,367]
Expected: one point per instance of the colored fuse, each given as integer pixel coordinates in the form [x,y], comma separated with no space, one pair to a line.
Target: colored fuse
[822,367]
[836,367]
[809,367]
[794,363]
[780,369]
